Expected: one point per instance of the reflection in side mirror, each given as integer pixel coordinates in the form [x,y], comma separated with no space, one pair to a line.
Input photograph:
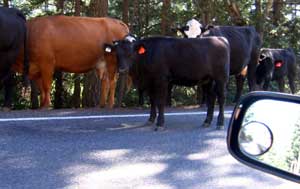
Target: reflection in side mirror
[255,138]
[264,133]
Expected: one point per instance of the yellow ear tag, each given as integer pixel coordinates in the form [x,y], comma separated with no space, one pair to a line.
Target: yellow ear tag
[141,50]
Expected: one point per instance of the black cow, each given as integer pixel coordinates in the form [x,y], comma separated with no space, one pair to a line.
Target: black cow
[274,65]
[162,60]
[12,40]
[245,44]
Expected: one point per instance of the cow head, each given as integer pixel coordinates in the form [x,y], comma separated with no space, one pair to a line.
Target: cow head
[264,69]
[192,29]
[127,51]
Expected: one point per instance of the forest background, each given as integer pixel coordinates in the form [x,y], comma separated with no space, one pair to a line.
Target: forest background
[277,21]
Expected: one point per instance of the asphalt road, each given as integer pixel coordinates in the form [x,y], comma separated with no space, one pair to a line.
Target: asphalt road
[102,150]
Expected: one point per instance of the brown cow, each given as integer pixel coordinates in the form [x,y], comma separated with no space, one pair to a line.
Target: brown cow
[70,44]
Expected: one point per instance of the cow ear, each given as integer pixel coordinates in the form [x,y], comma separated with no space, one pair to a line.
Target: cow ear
[141,49]
[108,48]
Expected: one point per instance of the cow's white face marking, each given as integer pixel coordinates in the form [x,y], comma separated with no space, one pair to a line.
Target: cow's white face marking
[262,57]
[130,38]
[194,28]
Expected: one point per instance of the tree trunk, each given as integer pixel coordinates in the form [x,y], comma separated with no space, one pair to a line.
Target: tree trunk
[277,6]
[235,13]
[268,8]
[135,27]
[5,3]
[91,84]
[98,8]
[259,18]
[76,101]
[77,7]
[91,90]
[165,17]
[58,95]
[125,11]
[121,85]
[58,76]
[60,7]
[205,7]
[34,96]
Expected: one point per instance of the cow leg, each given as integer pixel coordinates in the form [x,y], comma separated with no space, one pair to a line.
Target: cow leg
[220,90]
[210,103]
[121,88]
[39,84]
[47,77]
[251,70]
[104,91]
[112,91]
[141,97]
[239,86]
[266,84]
[281,84]
[152,108]
[8,91]
[161,92]
[292,84]
[169,96]
[201,93]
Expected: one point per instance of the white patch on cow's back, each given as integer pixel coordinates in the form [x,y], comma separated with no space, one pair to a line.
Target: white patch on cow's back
[194,28]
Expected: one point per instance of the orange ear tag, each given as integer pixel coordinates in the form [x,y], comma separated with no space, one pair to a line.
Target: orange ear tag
[141,50]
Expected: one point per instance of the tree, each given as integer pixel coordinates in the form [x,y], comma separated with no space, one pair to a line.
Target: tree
[165,17]
[91,83]
[58,75]
[6,3]
[235,13]
[125,11]
[77,77]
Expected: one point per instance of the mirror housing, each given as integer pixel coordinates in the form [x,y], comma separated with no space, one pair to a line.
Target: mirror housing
[258,103]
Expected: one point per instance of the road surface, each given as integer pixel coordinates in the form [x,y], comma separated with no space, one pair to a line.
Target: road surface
[110,149]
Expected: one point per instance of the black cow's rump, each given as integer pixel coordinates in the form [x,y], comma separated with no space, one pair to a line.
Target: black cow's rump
[245,44]
[12,40]
[164,60]
[274,65]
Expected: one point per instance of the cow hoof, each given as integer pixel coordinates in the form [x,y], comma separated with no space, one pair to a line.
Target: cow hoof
[160,128]
[205,125]
[148,123]
[220,127]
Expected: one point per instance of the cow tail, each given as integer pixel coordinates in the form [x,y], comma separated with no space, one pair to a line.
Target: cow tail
[26,60]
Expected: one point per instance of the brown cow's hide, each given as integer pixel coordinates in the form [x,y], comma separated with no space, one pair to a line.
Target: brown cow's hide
[69,44]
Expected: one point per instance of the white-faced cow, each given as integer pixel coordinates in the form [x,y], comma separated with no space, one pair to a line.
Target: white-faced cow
[162,60]
[12,40]
[274,65]
[244,43]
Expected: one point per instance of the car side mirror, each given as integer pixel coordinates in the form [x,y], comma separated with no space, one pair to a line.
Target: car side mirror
[264,133]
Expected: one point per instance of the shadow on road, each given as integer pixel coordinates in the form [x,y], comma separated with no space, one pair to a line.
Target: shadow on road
[105,154]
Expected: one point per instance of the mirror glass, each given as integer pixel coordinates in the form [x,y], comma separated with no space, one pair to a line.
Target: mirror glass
[270,133]
[255,138]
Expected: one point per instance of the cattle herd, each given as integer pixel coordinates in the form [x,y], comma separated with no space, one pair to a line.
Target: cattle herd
[206,56]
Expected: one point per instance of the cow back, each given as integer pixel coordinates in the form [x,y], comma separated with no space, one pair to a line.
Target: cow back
[70,44]
[186,60]
[243,40]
